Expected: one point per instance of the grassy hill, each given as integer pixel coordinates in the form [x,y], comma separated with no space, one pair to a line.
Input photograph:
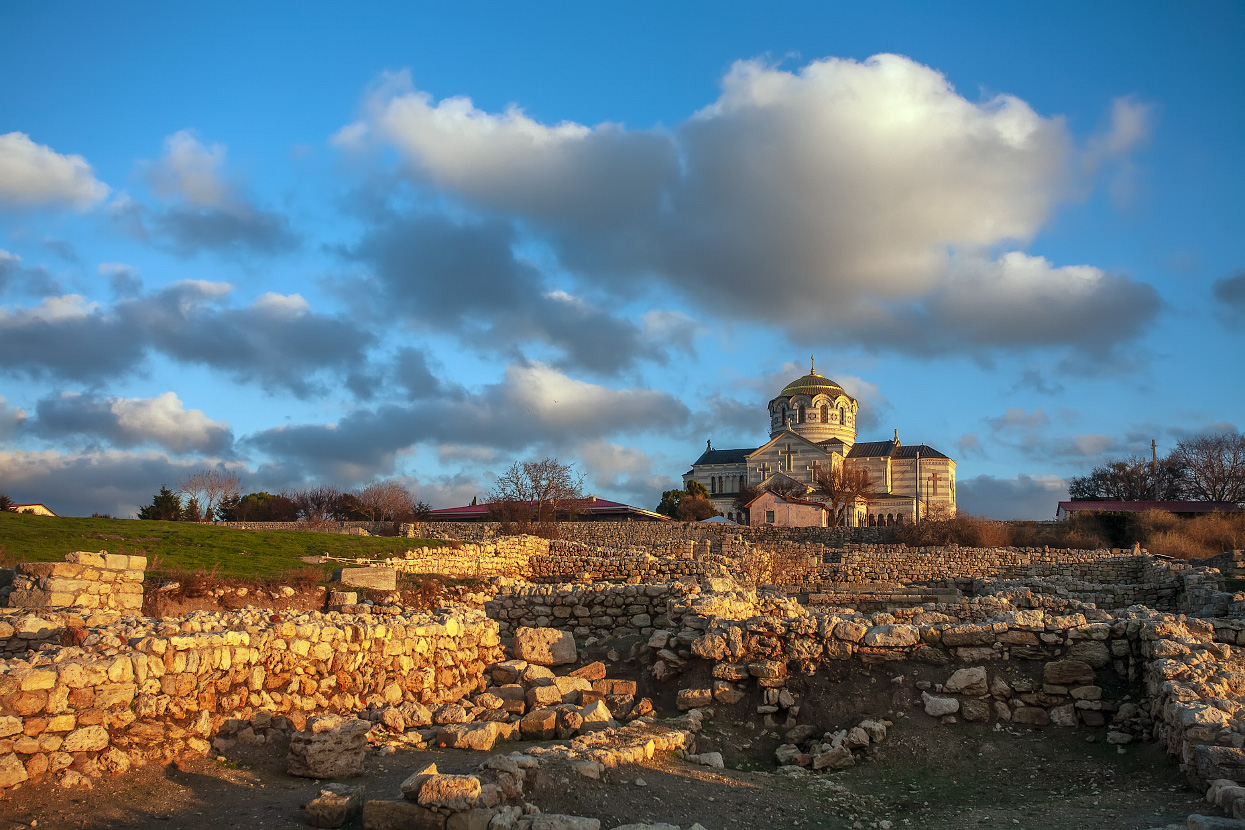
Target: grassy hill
[183,546]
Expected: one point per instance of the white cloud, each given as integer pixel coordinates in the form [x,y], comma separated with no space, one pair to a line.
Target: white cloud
[191,171]
[851,201]
[132,422]
[1130,125]
[163,420]
[35,175]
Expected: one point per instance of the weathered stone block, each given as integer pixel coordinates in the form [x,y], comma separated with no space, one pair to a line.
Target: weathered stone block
[400,815]
[378,579]
[545,646]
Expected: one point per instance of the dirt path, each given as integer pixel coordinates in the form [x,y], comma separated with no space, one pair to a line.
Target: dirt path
[924,776]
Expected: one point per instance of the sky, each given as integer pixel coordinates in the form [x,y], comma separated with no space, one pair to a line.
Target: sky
[333,243]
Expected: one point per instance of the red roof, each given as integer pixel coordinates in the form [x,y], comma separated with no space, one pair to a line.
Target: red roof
[1119,506]
[590,506]
[787,499]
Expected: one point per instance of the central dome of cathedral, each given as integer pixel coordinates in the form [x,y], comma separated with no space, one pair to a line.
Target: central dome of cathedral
[812,384]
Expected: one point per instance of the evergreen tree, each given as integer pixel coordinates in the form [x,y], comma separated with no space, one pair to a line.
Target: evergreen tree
[165,506]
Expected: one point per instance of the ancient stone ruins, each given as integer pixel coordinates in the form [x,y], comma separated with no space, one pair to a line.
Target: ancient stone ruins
[1137,648]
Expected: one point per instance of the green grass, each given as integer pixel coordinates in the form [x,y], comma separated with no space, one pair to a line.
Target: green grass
[174,546]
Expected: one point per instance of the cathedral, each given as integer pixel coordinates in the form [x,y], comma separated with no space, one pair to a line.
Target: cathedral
[813,428]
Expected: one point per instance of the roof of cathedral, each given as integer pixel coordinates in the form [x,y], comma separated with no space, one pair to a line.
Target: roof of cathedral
[812,384]
[723,457]
[881,449]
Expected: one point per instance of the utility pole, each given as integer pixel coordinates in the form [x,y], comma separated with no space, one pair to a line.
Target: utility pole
[1154,469]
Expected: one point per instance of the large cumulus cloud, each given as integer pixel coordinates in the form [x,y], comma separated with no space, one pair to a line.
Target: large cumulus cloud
[865,202]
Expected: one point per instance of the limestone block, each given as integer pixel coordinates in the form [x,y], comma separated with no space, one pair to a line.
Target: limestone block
[335,805]
[975,710]
[1030,716]
[839,757]
[400,815]
[451,792]
[12,771]
[1068,673]
[971,681]
[378,579]
[330,747]
[892,636]
[545,646]
[86,739]
[694,698]
[554,821]
[1093,652]
[477,736]
[938,707]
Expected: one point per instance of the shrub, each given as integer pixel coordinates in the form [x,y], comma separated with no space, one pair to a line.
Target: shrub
[768,567]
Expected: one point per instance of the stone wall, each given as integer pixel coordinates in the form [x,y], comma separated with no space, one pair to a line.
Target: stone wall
[84,580]
[602,610]
[373,528]
[658,535]
[1190,673]
[136,689]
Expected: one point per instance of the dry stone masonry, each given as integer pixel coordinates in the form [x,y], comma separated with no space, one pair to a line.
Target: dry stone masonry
[84,580]
[1139,648]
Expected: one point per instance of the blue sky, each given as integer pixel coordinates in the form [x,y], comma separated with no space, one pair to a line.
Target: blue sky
[327,244]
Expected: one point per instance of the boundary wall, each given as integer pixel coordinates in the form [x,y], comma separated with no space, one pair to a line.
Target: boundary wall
[656,535]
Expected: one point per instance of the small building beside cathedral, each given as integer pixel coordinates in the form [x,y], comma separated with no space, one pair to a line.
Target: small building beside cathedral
[813,430]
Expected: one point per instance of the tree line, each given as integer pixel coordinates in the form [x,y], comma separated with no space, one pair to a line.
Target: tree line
[216,495]
[1205,468]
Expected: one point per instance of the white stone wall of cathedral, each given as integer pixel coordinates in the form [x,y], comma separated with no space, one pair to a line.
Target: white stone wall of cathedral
[841,413]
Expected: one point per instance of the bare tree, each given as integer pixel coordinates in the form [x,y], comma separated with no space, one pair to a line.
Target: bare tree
[210,488]
[319,504]
[1132,479]
[385,501]
[841,487]
[1214,466]
[786,487]
[536,490]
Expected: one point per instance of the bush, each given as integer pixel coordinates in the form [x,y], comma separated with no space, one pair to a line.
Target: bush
[960,529]
[1177,545]
[768,567]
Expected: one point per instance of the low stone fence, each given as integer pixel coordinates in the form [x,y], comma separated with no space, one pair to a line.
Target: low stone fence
[373,528]
[138,689]
[658,535]
[84,580]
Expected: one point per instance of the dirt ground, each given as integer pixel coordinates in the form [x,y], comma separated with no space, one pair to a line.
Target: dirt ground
[935,777]
[924,775]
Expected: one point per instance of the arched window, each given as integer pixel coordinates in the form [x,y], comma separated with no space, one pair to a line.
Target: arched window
[842,416]
[800,411]
[825,413]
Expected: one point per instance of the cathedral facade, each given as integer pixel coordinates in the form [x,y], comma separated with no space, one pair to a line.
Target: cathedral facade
[812,429]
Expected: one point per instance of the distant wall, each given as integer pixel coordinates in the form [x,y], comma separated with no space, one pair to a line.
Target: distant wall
[374,528]
[658,534]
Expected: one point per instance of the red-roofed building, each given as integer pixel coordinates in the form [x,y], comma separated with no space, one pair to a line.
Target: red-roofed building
[586,509]
[1179,508]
